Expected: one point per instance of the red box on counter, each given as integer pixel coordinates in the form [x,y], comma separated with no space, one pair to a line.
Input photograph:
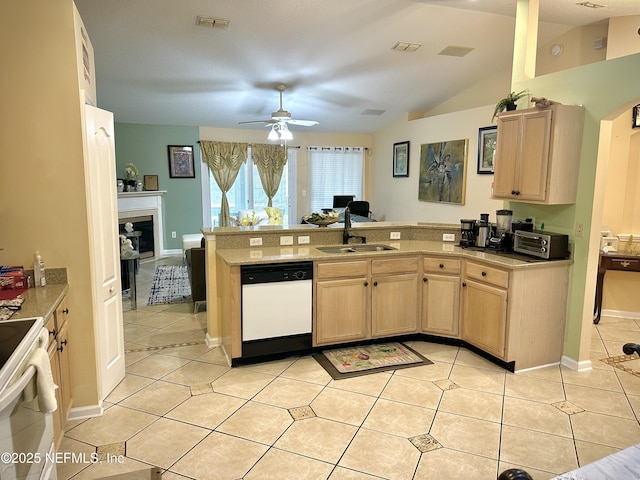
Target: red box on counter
[12,277]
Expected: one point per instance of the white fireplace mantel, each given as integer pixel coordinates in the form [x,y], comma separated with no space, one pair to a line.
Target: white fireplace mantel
[136,204]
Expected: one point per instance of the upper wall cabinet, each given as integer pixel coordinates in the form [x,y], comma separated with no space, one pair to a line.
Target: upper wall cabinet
[538,155]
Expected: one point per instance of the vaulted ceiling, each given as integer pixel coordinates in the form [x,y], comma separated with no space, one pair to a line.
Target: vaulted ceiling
[154,65]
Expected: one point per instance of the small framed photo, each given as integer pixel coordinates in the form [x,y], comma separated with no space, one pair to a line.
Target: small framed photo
[401,159]
[151,182]
[487,137]
[636,117]
[181,161]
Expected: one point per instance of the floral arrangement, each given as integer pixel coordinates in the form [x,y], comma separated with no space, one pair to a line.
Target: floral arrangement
[275,215]
[250,219]
[131,172]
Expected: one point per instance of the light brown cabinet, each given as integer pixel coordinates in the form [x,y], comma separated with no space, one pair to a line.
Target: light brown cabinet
[441,296]
[357,300]
[58,350]
[341,302]
[538,154]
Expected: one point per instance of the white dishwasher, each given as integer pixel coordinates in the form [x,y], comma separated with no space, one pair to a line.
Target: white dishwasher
[276,308]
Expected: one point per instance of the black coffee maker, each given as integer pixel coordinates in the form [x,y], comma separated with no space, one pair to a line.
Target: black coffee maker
[467,233]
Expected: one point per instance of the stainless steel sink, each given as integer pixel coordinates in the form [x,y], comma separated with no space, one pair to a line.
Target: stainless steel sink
[356,248]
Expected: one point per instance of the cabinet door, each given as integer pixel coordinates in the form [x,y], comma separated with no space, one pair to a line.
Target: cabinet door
[64,385]
[506,156]
[394,305]
[441,304]
[484,317]
[341,310]
[533,157]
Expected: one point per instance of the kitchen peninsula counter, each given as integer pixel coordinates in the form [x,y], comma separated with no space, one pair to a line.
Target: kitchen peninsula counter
[296,253]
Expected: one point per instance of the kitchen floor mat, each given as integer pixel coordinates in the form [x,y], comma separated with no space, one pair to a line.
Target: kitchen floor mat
[170,285]
[359,360]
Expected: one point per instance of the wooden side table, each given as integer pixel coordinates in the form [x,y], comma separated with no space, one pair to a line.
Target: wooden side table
[612,261]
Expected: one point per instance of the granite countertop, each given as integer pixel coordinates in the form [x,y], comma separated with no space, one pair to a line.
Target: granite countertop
[258,255]
[41,302]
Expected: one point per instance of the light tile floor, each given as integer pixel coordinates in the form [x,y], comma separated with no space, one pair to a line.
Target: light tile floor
[182,409]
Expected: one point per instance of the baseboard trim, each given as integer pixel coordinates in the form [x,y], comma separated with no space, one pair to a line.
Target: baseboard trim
[582,366]
[80,413]
[620,314]
[172,252]
[212,341]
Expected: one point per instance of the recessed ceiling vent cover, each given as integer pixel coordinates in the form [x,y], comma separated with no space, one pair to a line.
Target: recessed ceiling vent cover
[406,47]
[211,22]
[452,51]
[590,5]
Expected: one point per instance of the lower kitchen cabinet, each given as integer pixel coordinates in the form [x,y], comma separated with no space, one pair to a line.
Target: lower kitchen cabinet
[58,350]
[484,316]
[441,296]
[341,312]
[358,300]
[395,296]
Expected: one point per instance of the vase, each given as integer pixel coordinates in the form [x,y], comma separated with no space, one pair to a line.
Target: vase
[139,186]
[120,186]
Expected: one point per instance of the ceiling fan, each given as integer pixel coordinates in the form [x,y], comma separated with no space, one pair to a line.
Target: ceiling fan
[279,120]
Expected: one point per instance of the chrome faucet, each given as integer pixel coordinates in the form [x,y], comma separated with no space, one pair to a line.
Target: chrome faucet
[346,235]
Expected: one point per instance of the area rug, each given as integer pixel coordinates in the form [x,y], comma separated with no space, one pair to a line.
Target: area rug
[351,362]
[170,285]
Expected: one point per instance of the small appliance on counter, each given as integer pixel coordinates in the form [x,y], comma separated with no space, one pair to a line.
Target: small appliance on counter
[541,244]
[483,228]
[501,238]
[467,233]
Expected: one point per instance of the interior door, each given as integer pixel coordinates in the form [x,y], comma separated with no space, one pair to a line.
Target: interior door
[103,231]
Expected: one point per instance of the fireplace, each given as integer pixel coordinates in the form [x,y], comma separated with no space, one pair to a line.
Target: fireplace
[144,210]
[144,241]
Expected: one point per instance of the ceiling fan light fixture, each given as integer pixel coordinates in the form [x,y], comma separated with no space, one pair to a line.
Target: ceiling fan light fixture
[273,135]
[285,134]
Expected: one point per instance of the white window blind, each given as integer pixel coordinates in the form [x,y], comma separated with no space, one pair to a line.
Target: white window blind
[334,171]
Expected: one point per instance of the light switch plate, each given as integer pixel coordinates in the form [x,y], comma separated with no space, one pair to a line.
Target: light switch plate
[448,237]
[255,241]
[394,236]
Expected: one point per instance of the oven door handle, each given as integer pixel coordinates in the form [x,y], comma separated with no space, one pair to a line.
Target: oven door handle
[12,392]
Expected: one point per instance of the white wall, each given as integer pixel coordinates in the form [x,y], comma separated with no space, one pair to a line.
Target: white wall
[397,198]
[623,36]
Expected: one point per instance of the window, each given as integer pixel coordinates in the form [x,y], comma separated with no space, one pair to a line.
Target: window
[247,192]
[334,171]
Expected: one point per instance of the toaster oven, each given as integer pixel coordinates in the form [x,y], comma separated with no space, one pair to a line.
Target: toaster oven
[541,244]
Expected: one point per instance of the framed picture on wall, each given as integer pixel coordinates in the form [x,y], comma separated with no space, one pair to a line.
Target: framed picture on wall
[487,137]
[401,159]
[636,117]
[181,161]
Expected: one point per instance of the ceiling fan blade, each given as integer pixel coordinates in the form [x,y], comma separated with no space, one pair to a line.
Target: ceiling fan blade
[304,123]
[257,121]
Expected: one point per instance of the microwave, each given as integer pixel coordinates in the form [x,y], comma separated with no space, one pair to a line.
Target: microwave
[541,244]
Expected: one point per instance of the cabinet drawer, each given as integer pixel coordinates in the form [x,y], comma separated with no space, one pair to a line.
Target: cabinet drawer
[442,265]
[486,274]
[394,265]
[342,269]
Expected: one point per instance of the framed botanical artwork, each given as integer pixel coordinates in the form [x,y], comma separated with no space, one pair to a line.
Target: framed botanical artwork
[442,172]
[401,159]
[487,137]
[181,161]
[636,117]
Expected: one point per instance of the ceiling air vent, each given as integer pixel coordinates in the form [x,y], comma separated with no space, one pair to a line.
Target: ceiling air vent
[452,51]
[211,22]
[406,47]
[590,5]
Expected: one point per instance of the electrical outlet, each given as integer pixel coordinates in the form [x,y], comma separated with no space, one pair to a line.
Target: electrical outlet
[255,242]
[173,234]
[448,237]
[286,240]
[394,236]
[579,229]
[304,240]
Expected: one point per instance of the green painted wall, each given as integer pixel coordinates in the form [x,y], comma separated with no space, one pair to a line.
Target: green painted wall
[601,88]
[146,147]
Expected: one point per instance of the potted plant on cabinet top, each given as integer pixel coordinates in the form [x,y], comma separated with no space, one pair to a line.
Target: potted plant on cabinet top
[508,103]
